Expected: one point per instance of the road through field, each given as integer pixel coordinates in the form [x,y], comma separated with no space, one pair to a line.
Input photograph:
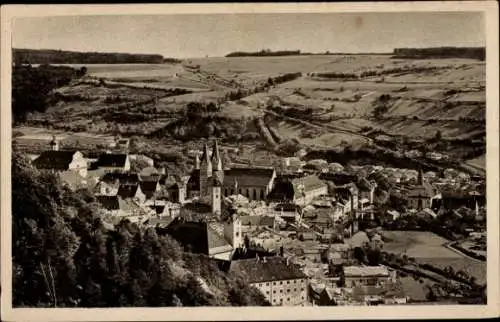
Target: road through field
[320,126]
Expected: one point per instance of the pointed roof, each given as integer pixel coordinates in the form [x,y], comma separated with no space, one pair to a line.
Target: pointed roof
[54,140]
[197,161]
[216,160]
[420,177]
[206,154]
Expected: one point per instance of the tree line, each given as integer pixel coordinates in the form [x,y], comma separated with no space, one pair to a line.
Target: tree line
[264,53]
[34,56]
[441,52]
[32,87]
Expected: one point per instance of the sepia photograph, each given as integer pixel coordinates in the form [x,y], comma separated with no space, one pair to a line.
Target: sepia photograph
[325,156]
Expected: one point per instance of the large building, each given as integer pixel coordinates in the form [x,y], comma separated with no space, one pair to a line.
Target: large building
[209,181]
[422,195]
[61,161]
[279,280]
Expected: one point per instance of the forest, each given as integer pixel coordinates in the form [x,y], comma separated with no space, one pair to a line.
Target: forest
[65,255]
[46,56]
[32,87]
[441,52]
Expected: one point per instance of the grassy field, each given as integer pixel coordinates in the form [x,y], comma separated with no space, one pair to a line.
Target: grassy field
[425,96]
[427,247]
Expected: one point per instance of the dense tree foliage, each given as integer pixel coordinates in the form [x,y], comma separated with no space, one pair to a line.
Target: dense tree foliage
[32,87]
[441,52]
[33,56]
[65,255]
[264,53]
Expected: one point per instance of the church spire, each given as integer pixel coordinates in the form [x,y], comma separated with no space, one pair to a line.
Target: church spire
[205,156]
[420,177]
[197,162]
[54,145]
[216,159]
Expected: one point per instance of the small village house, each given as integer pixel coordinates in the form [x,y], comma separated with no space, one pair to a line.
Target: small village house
[365,275]
[113,162]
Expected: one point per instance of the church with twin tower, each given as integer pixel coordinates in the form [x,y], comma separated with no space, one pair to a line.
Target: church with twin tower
[211,177]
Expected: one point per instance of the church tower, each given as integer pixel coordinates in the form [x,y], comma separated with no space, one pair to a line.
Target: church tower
[216,201]
[197,162]
[233,231]
[216,160]
[205,173]
[420,180]
[54,144]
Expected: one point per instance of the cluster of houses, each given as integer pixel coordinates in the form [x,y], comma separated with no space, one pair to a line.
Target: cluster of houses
[248,219]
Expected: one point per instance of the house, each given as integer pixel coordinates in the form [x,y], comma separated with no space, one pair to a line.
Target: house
[111,181]
[339,179]
[165,208]
[279,280]
[216,240]
[349,193]
[74,180]
[142,159]
[389,294]
[307,188]
[122,208]
[287,211]
[150,189]
[422,195]
[301,153]
[307,235]
[122,144]
[365,275]
[131,192]
[249,223]
[59,161]
[113,162]
[319,165]
[335,167]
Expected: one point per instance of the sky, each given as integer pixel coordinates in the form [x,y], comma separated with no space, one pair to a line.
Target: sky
[189,36]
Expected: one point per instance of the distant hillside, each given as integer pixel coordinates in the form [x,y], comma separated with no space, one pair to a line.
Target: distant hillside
[47,56]
[441,52]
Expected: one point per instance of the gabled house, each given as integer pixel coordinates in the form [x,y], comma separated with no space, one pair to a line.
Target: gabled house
[216,240]
[122,208]
[113,162]
[59,161]
[131,192]
[280,281]
[307,188]
[150,189]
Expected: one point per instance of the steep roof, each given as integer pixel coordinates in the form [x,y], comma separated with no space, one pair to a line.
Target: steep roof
[116,203]
[423,190]
[128,191]
[122,178]
[148,188]
[216,159]
[365,271]
[254,177]
[57,160]
[194,180]
[287,207]
[198,237]
[267,269]
[257,221]
[309,183]
[117,160]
